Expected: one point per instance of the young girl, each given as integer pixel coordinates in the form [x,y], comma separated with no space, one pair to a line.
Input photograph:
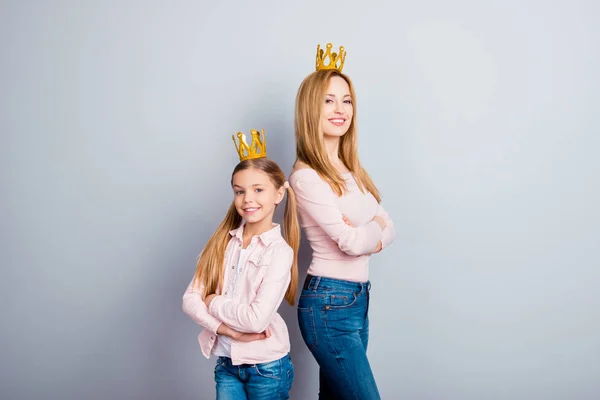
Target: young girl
[242,276]
[339,210]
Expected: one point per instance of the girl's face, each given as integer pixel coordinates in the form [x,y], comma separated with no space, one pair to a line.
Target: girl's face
[337,108]
[255,197]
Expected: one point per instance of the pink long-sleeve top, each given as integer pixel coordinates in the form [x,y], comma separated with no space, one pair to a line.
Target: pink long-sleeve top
[340,251]
[258,290]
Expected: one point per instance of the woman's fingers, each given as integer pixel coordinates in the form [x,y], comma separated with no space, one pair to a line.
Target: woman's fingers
[346,220]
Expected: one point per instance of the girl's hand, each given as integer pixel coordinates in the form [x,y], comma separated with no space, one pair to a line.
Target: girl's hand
[209,298]
[251,337]
[225,330]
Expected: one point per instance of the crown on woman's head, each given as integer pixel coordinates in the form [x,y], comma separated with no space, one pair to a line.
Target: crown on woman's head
[336,60]
[256,149]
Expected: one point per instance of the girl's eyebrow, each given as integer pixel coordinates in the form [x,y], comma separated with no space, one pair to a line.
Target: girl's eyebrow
[255,185]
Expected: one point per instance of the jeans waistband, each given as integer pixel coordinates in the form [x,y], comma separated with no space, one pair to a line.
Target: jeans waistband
[313,283]
[227,362]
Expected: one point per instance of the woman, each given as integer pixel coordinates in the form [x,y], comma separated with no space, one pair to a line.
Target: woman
[339,211]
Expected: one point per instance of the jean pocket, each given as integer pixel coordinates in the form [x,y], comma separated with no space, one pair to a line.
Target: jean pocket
[338,300]
[269,370]
[306,322]
[221,372]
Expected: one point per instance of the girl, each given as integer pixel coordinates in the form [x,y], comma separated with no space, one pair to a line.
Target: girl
[339,210]
[242,276]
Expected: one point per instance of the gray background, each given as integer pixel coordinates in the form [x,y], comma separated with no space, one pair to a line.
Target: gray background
[478,121]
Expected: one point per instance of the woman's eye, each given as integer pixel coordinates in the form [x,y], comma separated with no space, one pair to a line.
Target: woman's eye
[348,101]
[259,190]
[327,101]
[239,192]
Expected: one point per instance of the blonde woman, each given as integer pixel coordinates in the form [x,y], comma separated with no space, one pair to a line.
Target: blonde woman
[339,211]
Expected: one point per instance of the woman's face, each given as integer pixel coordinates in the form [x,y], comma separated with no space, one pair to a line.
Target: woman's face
[337,108]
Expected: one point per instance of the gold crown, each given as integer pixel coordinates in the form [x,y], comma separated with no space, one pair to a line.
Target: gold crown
[256,149]
[334,58]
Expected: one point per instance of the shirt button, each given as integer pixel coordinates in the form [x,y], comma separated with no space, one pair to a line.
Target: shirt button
[212,338]
[226,293]
[233,267]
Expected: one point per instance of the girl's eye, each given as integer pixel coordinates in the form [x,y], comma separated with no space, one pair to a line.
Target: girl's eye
[259,190]
[239,192]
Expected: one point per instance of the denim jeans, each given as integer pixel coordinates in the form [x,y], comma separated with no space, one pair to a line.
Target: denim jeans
[334,322]
[267,381]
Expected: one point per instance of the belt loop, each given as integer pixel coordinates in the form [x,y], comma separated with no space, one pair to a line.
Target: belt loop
[315,283]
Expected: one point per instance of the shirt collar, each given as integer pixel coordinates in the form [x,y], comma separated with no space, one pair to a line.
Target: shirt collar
[267,237]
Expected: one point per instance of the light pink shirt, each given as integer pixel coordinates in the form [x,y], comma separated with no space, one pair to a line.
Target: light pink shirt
[340,251]
[259,289]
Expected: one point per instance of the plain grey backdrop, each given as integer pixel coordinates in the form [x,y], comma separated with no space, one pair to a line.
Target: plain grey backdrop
[478,120]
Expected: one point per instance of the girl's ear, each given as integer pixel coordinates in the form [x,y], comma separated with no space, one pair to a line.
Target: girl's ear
[280,195]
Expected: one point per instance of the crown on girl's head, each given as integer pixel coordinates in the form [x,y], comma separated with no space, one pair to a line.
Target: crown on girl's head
[336,60]
[256,149]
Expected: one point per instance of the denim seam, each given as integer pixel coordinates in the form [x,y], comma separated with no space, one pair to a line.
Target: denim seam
[338,290]
[313,329]
[313,296]
[337,354]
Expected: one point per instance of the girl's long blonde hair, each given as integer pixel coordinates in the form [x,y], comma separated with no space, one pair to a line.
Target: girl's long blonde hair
[209,270]
[310,148]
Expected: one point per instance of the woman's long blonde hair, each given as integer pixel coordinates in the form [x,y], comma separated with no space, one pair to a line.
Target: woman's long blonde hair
[209,270]
[310,148]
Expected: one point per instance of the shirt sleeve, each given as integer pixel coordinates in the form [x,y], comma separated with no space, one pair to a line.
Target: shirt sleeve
[389,232]
[316,198]
[256,316]
[194,307]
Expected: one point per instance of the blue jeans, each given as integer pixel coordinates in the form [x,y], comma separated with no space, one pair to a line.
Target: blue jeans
[267,381]
[334,322]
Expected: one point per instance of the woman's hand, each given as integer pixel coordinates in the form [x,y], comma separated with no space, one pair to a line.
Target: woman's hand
[380,221]
[378,248]
[347,221]
[225,330]
[209,298]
